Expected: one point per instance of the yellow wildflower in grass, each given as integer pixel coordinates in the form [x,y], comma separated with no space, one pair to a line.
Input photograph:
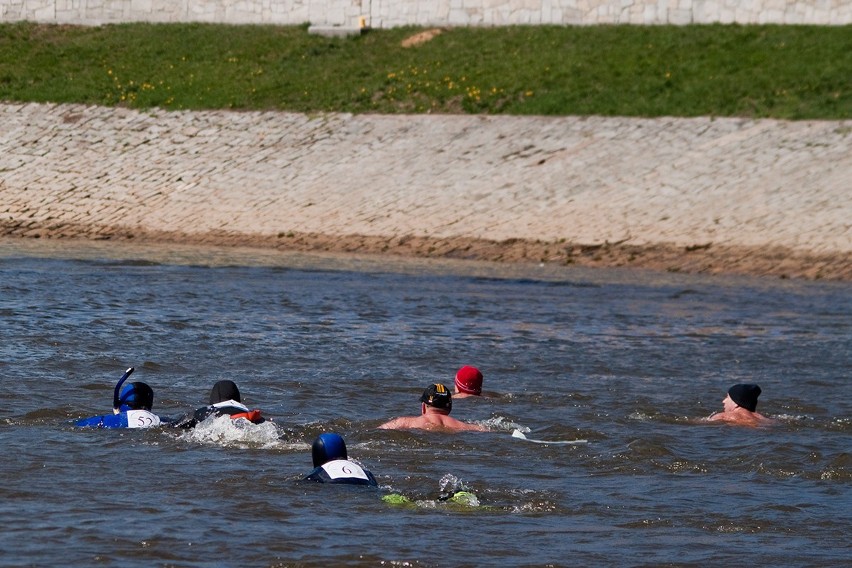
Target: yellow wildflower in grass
[414,86]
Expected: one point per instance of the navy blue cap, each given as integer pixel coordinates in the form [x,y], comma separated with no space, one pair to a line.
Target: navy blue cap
[328,447]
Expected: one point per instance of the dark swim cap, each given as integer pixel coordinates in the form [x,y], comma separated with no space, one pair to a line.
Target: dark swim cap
[224,390]
[328,447]
[136,396]
[438,396]
[745,396]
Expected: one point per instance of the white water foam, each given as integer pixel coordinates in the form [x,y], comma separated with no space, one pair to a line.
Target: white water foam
[225,431]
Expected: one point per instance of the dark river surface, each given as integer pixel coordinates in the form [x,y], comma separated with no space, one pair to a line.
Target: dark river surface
[630,361]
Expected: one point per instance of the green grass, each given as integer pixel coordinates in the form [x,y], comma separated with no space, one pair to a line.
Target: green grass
[790,72]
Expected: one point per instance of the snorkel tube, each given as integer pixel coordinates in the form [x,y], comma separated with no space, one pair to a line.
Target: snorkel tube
[116,402]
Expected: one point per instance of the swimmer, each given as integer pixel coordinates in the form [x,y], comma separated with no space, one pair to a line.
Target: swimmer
[740,406]
[435,406]
[225,400]
[332,464]
[131,408]
[468,382]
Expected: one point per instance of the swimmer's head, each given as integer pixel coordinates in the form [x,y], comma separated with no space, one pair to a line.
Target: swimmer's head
[469,380]
[328,447]
[745,396]
[224,390]
[136,396]
[438,396]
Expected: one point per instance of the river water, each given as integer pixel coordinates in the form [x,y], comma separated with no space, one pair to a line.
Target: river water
[628,361]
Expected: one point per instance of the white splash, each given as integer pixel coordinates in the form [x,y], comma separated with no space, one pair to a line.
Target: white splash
[225,431]
[500,423]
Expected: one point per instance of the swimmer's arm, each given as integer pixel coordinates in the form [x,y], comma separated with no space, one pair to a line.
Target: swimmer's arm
[106,421]
[395,424]
[318,474]
[188,419]
[474,427]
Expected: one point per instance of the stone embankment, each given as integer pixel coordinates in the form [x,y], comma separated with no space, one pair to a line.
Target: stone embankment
[693,195]
[377,14]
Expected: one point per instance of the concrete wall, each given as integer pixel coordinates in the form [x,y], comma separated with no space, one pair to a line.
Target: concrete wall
[393,13]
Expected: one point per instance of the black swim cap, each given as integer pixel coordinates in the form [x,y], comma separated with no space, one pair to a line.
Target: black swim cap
[224,390]
[438,396]
[136,396]
[745,396]
[328,447]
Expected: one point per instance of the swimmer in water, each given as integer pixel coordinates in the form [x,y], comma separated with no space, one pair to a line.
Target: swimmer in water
[132,409]
[435,406]
[225,400]
[739,407]
[468,382]
[332,464]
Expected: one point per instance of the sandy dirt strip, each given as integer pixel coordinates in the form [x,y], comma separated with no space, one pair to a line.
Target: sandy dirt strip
[699,195]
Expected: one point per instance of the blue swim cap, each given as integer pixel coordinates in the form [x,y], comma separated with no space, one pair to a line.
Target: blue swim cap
[136,396]
[328,447]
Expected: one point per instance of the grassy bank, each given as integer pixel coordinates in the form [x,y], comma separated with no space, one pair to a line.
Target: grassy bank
[791,72]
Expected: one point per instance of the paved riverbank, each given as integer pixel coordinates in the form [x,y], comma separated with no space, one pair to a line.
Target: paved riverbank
[695,195]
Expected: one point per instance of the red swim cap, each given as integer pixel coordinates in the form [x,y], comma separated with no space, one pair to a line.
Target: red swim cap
[469,380]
